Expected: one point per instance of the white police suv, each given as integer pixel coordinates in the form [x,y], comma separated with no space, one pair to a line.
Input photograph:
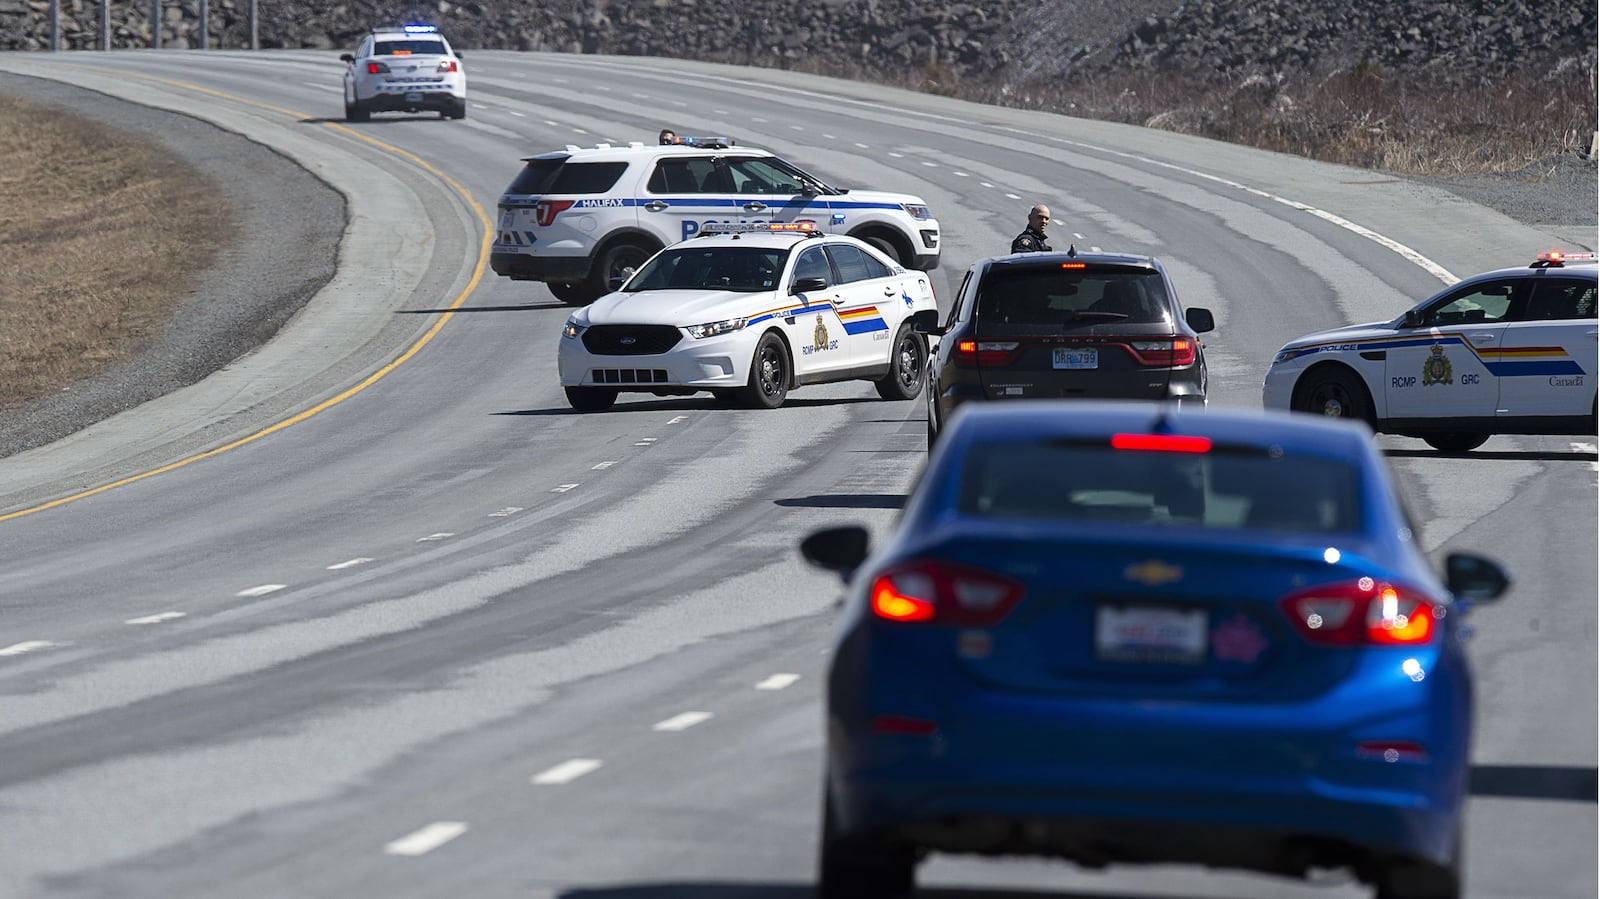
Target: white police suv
[578,218]
[1511,351]
[409,68]
[748,312]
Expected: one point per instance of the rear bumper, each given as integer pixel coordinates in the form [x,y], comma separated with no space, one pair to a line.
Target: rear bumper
[525,267]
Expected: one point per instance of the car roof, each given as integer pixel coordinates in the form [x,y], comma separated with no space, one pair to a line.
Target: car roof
[633,150]
[1056,257]
[779,240]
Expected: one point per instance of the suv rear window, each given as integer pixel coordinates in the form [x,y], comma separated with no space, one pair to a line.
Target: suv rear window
[1053,295]
[558,176]
[1222,489]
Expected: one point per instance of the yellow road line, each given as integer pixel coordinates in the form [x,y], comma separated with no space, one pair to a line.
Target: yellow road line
[449,313]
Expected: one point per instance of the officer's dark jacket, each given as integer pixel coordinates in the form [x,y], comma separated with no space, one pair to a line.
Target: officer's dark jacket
[1029,241]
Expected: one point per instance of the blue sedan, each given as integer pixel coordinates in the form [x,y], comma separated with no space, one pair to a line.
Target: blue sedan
[1128,633]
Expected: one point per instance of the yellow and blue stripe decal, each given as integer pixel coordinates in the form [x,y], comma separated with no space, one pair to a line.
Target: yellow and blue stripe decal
[863,320]
[1509,362]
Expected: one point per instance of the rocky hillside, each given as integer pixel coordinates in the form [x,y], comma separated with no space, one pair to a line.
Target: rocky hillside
[1459,41]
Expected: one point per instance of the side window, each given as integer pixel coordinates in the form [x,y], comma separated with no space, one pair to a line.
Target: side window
[672,176]
[962,310]
[855,265]
[757,176]
[366,48]
[1557,299]
[586,177]
[1485,302]
[812,264]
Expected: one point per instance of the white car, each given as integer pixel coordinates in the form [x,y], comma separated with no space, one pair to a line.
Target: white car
[409,68]
[577,218]
[749,312]
[1512,351]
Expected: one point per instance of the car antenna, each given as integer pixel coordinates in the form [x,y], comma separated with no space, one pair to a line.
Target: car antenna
[1072,249]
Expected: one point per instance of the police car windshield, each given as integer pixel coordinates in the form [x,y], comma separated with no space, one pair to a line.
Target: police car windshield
[408,48]
[743,269]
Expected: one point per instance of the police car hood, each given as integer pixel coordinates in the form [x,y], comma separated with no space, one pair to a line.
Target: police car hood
[677,307]
[1368,331]
[877,196]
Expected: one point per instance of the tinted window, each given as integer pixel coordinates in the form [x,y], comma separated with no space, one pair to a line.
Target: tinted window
[1558,299]
[558,176]
[812,264]
[720,268]
[682,176]
[757,176]
[855,265]
[1221,489]
[1053,295]
[408,48]
[1487,302]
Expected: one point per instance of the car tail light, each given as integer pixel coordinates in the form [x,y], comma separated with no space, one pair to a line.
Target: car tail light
[1362,613]
[986,353]
[448,65]
[943,593]
[1163,352]
[545,211]
[377,68]
[901,724]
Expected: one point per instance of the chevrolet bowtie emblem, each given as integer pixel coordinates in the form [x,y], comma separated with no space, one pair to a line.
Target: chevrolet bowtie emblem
[1153,572]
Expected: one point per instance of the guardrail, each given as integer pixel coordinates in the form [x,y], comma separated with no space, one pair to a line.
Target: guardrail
[157,19]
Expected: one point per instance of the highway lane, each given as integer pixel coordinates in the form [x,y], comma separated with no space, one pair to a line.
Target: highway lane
[362,638]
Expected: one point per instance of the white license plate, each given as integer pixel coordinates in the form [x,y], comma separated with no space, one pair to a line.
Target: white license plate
[1150,634]
[413,97]
[1065,358]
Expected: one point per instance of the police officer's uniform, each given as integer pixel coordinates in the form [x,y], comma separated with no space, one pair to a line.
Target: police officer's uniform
[1030,241]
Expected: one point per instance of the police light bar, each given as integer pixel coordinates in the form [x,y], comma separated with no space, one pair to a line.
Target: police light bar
[419,29]
[757,227]
[1556,259]
[710,143]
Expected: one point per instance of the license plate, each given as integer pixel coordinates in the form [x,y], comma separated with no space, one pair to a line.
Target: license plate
[1150,634]
[413,97]
[1065,358]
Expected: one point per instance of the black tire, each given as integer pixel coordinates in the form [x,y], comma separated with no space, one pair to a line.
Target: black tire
[886,246]
[591,399]
[355,112]
[573,293]
[908,363]
[1335,392]
[456,110]
[1456,441]
[860,867]
[725,396]
[611,264]
[768,386]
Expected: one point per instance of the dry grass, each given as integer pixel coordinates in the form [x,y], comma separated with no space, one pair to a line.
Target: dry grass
[106,232]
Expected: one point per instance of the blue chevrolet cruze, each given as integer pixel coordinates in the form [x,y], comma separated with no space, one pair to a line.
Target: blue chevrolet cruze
[1127,633]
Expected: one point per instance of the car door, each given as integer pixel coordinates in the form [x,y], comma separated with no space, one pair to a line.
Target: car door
[816,333]
[758,186]
[875,303]
[1440,368]
[1547,358]
[684,193]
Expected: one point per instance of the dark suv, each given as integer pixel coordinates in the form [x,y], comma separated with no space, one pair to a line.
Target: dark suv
[1065,324]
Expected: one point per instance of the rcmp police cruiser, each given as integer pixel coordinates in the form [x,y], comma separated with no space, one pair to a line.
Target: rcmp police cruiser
[1032,239]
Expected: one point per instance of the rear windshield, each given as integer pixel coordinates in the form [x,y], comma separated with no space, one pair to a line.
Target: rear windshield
[558,176]
[409,48]
[745,269]
[1053,295]
[1222,489]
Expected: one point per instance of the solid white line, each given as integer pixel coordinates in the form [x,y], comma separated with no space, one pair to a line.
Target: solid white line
[683,721]
[156,618]
[563,488]
[566,772]
[17,649]
[262,590]
[427,839]
[777,682]
[1585,448]
[340,566]
[604,465]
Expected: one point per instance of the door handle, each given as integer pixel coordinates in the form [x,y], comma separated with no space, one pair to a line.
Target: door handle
[888,290]
[1483,338]
[655,206]
[836,300]
[754,206]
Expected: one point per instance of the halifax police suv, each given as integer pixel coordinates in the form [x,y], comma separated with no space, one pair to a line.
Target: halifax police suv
[1512,351]
[578,218]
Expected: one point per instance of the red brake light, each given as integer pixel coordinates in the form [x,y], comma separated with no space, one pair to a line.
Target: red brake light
[1164,352]
[1074,265]
[545,211]
[986,353]
[448,65]
[1161,443]
[943,593]
[376,68]
[1361,613]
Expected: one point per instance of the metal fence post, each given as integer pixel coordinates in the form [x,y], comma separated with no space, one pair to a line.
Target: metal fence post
[105,24]
[255,35]
[55,25]
[205,24]
[155,24]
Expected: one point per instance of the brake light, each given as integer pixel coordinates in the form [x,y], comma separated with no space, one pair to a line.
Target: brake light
[1164,352]
[1074,265]
[986,353]
[377,68]
[1362,613]
[943,593]
[448,65]
[1161,443]
[545,211]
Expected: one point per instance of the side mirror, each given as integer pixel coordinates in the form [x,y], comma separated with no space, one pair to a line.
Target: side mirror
[806,285]
[1200,319]
[615,282]
[460,55]
[926,321]
[1474,578]
[346,57]
[840,550]
[1413,318]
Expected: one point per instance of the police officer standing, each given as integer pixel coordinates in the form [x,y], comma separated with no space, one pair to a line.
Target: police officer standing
[1032,239]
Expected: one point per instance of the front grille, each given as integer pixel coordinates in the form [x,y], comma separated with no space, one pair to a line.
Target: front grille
[629,375]
[630,340]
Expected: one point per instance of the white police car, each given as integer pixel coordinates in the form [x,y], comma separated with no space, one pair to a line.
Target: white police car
[578,218]
[409,68]
[1511,351]
[749,311]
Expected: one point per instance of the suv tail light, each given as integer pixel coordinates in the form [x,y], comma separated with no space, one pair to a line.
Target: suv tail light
[1164,352]
[545,211]
[943,593]
[377,68]
[448,65]
[986,353]
[1362,613]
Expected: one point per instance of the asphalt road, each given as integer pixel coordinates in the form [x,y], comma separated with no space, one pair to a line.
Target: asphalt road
[435,634]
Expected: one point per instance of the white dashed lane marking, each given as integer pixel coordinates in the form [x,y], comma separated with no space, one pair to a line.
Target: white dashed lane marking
[566,772]
[1013,196]
[17,649]
[677,419]
[604,465]
[434,538]
[427,839]
[682,722]
[777,682]
[507,512]
[646,441]
[563,488]
[262,590]
[350,563]
[156,618]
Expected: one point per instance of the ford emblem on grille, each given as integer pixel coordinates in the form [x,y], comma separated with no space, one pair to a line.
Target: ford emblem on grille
[627,341]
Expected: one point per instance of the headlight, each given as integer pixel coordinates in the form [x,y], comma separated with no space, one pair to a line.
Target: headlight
[712,329]
[1284,356]
[917,211]
[571,328]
